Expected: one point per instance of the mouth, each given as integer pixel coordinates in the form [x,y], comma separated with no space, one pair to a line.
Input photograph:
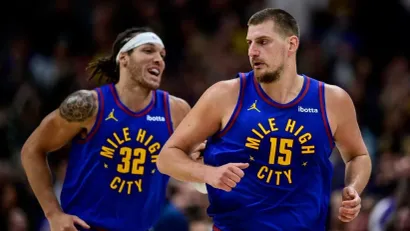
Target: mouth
[155,71]
[258,65]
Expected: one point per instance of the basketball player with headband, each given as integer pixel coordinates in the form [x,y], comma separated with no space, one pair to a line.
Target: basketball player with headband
[116,132]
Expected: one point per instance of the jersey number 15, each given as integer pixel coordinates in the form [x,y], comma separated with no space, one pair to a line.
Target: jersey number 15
[285,153]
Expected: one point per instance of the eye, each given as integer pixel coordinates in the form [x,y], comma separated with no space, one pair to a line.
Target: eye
[163,54]
[263,41]
[148,51]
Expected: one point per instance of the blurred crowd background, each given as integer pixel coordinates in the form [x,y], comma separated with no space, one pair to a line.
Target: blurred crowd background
[359,45]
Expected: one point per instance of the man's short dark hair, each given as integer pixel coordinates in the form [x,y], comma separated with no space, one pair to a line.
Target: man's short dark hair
[285,23]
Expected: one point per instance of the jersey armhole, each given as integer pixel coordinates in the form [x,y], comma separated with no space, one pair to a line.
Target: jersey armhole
[237,109]
[324,114]
[167,111]
[98,118]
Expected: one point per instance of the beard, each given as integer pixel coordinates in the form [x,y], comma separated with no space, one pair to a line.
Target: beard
[270,76]
[138,74]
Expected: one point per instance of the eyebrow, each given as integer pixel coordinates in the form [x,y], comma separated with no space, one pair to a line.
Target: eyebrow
[150,44]
[260,37]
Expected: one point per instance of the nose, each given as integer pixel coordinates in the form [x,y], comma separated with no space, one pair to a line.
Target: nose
[158,59]
[253,51]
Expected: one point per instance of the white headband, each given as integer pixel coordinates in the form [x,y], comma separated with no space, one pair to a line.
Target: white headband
[138,40]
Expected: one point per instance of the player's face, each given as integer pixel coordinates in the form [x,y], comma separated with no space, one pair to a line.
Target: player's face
[267,51]
[146,65]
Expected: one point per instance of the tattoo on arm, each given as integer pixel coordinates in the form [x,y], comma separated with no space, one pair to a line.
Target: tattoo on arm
[79,106]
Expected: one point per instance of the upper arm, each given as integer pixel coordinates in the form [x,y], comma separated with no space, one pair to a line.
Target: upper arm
[343,121]
[179,109]
[76,112]
[204,119]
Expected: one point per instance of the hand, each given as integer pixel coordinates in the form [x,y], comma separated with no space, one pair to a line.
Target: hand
[351,204]
[226,176]
[196,154]
[66,222]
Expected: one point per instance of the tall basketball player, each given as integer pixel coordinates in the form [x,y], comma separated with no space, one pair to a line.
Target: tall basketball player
[271,133]
[116,133]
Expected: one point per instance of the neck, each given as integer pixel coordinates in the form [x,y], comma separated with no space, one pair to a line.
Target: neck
[287,87]
[132,94]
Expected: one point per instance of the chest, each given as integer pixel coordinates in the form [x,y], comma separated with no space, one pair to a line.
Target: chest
[273,136]
[128,145]
[288,128]
[119,129]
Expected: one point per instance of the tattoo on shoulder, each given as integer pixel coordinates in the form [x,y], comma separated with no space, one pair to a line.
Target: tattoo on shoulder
[79,106]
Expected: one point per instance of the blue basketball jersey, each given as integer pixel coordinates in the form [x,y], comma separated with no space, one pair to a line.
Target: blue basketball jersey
[112,181]
[287,184]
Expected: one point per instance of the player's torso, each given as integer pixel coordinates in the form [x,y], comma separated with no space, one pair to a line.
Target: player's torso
[287,147]
[112,179]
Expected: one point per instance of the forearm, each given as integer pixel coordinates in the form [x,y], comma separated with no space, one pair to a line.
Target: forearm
[179,165]
[39,177]
[358,172]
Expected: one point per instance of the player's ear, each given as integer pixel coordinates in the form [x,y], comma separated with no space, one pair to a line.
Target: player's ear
[293,44]
[123,59]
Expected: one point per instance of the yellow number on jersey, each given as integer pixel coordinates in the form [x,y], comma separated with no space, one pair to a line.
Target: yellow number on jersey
[285,151]
[138,161]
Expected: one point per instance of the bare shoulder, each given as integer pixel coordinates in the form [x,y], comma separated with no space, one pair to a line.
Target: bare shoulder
[343,120]
[79,106]
[220,98]
[76,112]
[226,93]
[219,101]
[178,104]
[336,94]
[217,97]
[179,109]
[225,89]
[337,99]
[339,106]
[221,95]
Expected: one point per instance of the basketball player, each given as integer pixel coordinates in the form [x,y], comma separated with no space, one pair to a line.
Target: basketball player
[271,133]
[116,132]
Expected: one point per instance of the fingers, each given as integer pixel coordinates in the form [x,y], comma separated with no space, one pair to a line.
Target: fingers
[349,211]
[196,155]
[236,171]
[234,174]
[202,146]
[231,175]
[352,203]
[346,219]
[67,227]
[230,183]
[349,192]
[349,208]
[347,216]
[80,222]
[241,165]
[222,185]
[229,179]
